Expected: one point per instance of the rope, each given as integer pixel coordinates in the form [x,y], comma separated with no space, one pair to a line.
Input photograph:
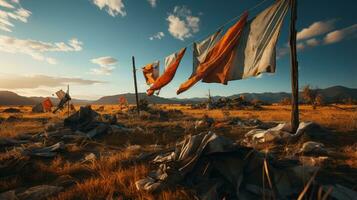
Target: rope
[228,22]
[225,24]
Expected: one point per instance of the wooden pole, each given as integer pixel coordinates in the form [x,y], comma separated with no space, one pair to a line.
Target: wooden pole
[294,69]
[136,87]
[68,101]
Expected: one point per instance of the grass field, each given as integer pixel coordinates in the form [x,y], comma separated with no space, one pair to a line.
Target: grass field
[114,175]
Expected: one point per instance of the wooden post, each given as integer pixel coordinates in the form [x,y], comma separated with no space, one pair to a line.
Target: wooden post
[294,69]
[136,87]
[68,101]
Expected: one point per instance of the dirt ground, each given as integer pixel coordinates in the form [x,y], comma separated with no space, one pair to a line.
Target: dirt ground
[114,174]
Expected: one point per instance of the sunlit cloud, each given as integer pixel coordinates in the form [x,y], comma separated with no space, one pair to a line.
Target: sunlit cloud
[36,49]
[112,7]
[11,10]
[341,34]
[319,33]
[106,65]
[316,29]
[182,24]
[36,81]
[158,35]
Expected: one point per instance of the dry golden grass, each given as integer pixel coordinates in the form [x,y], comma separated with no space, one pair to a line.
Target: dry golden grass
[113,176]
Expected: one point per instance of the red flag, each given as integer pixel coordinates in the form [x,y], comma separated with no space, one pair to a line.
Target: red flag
[47,105]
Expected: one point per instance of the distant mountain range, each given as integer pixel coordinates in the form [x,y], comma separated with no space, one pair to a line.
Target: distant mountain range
[330,95]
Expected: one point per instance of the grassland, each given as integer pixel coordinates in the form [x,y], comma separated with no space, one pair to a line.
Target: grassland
[114,175]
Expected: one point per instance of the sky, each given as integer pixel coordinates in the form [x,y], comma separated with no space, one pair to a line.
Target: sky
[89,44]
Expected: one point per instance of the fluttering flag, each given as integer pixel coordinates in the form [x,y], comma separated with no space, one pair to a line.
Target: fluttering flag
[247,49]
[151,72]
[60,94]
[47,105]
[256,52]
[219,59]
[171,64]
[122,100]
[201,49]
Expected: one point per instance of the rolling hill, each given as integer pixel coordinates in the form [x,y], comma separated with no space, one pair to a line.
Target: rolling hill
[330,95]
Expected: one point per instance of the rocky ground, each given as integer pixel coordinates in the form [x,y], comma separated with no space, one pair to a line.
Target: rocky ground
[111,154]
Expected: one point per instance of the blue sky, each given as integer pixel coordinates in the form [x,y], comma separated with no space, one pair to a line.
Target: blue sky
[89,43]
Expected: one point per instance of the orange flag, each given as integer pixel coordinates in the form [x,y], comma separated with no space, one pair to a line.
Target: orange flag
[47,105]
[151,72]
[219,60]
[171,64]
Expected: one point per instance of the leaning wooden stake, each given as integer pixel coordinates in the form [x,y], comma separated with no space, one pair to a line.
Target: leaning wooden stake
[136,87]
[294,69]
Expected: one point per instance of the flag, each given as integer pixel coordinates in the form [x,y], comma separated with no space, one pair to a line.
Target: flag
[122,100]
[256,51]
[47,105]
[219,59]
[201,49]
[250,49]
[171,64]
[151,72]
[60,94]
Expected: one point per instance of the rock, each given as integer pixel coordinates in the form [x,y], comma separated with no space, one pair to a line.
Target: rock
[313,148]
[39,192]
[49,151]
[206,122]
[91,157]
[65,181]
[11,110]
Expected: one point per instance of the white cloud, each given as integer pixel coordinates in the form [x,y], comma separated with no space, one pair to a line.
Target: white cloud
[6,4]
[339,35]
[105,65]
[158,36]
[152,3]
[36,49]
[36,81]
[113,7]
[308,37]
[316,29]
[312,42]
[12,11]
[182,24]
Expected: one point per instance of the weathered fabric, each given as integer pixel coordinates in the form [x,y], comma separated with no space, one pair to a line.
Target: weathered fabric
[171,64]
[47,105]
[201,49]
[60,94]
[278,133]
[256,52]
[247,49]
[216,168]
[151,72]
[219,60]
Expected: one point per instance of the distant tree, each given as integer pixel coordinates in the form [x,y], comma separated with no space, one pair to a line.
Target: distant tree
[319,100]
[349,101]
[285,101]
[310,96]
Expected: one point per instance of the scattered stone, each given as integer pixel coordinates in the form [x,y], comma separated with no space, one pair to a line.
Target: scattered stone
[49,151]
[65,181]
[205,122]
[91,157]
[39,192]
[313,148]
[11,110]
